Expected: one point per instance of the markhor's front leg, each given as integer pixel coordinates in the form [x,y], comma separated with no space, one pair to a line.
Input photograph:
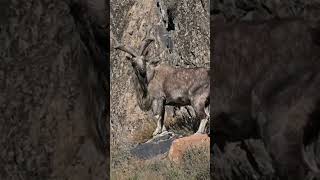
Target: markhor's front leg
[158,112]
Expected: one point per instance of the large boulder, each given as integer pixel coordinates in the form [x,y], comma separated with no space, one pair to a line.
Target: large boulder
[181,146]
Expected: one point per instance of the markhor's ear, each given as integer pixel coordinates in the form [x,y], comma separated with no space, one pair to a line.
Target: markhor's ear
[146,51]
[155,62]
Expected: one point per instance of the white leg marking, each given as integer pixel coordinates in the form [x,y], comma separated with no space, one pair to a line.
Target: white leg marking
[202,126]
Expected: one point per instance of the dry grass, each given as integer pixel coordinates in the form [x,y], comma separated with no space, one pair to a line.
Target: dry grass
[194,166]
[196,162]
[176,125]
[145,133]
[170,121]
[181,124]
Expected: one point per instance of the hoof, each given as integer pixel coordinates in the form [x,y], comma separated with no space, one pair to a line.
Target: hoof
[156,132]
[199,133]
[164,132]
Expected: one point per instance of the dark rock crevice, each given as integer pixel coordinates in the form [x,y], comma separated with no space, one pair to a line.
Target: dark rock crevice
[250,158]
[171,24]
[167,17]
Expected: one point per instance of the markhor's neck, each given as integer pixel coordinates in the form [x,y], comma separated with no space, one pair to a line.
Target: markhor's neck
[141,87]
[143,83]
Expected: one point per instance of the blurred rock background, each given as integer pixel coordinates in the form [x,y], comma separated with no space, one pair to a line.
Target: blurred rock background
[53,89]
[249,159]
[252,10]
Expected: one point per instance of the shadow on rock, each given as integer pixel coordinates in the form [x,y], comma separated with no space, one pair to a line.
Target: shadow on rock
[158,146]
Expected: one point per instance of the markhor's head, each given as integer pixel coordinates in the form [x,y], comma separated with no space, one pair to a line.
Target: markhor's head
[137,59]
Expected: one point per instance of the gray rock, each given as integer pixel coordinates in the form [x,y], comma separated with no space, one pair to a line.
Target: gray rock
[155,147]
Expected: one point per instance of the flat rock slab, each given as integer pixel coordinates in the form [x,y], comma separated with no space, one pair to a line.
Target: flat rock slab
[155,147]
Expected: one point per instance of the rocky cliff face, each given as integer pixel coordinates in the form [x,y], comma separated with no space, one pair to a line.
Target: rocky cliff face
[243,10]
[53,74]
[249,159]
[181,30]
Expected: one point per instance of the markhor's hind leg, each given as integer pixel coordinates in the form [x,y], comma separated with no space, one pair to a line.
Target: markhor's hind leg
[199,107]
[202,126]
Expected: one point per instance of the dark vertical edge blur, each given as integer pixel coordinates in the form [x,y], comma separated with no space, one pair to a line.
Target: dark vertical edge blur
[211,86]
[108,88]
